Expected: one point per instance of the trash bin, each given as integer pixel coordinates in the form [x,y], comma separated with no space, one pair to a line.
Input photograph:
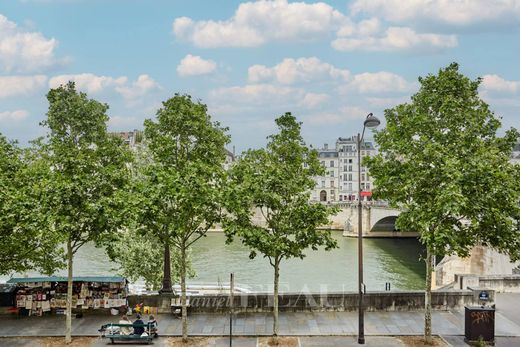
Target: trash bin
[479,324]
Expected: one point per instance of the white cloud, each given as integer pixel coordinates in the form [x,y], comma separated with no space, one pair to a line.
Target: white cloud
[378,82]
[192,65]
[496,83]
[13,116]
[392,39]
[124,122]
[88,82]
[258,94]
[387,102]
[291,71]
[312,100]
[341,116]
[140,87]
[23,51]
[255,23]
[453,12]
[11,86]
[94,84]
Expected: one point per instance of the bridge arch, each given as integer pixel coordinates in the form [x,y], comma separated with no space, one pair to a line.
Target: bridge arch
[385,224]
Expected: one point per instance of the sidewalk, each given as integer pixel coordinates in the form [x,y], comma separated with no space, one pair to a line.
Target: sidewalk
[314,341]
[259,324]
[449,324]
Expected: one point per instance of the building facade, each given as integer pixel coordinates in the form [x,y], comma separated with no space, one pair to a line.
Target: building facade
[340,182]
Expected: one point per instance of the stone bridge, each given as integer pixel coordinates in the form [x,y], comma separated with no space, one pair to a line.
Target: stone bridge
[378,220]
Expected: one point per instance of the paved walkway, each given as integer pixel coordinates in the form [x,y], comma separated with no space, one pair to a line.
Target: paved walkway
[314,341]
[258,324]
[448,324]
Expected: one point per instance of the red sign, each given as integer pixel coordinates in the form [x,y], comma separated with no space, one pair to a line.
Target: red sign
[363,193]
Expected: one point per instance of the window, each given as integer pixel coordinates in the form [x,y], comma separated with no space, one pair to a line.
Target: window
[331,183]
[350,168]
[322,163]
[345,168]
[368,186]
[362,186]
[362,177]
[350,161]
[305,165]
[322,184]
[332,163]
[350,177]
[332,173]
[344,177]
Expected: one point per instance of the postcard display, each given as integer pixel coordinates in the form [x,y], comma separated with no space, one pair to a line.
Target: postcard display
[41,297]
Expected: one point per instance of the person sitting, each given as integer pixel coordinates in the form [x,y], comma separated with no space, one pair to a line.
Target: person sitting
[125,330]
[152,325]
[138,326]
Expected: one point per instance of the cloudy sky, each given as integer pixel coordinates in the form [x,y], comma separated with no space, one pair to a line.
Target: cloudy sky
[330,63]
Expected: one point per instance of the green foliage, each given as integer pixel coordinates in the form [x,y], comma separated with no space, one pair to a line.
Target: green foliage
[140,257]
[25,245]
[178,191]
[87,167]
[441,160]
[277,180]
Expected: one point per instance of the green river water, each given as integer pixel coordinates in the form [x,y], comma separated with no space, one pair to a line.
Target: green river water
[396,261]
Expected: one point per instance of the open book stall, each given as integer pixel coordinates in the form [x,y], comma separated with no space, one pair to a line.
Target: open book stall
[40,295]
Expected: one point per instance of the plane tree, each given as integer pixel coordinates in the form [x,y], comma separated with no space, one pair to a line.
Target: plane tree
[178,193]
[25,246]
[86,170]
[277,181]
[442,162]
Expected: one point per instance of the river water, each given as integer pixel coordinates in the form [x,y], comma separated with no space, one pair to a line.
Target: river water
[396,261]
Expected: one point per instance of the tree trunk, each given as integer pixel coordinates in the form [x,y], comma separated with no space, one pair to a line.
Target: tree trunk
[68,313]
[275,299]
[428,298]
[183,294]
[167,272]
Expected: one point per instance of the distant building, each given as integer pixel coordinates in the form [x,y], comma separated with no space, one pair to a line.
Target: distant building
[515,156]
[131,138]
[340,183]
[230,159]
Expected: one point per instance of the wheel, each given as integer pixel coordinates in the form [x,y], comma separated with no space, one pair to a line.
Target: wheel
[112,341]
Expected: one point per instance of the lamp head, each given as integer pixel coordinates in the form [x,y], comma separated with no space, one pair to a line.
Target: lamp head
[371,122]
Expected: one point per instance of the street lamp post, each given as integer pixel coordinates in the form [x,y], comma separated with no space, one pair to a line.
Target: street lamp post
[370,122]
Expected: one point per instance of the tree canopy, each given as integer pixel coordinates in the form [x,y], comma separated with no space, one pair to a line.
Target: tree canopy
[440,160]
[277,181]
[87,167]
[178,192]
[25,245]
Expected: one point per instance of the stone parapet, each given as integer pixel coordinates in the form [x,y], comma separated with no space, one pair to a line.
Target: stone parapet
[301,302]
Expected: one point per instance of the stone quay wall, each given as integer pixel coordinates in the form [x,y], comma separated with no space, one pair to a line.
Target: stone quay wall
[304,302]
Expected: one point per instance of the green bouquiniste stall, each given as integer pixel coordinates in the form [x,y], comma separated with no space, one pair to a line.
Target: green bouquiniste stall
[48,295]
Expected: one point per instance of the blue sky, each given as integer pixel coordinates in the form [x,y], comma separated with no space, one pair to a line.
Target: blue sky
[330,63]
